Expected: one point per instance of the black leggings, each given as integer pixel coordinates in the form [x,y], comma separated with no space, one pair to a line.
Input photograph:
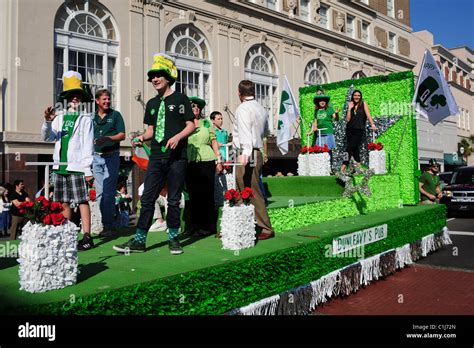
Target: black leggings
[355,138]
[200,186]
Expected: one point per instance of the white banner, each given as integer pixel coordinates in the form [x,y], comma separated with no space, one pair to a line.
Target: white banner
[288,114]
[433,98]
[359,238]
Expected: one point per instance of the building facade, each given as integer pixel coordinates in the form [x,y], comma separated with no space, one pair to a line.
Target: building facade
[216,44]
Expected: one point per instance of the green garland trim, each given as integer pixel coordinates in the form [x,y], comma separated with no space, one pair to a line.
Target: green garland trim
[233,285]
[385,194]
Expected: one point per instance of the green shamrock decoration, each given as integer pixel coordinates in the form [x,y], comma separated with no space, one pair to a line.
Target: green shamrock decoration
[284,98]
[437,100]
[280,124]
[152,111]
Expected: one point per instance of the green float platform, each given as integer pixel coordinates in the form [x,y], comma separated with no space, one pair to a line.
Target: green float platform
[209,280]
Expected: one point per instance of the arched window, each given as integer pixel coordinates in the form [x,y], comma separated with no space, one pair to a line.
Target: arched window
[86,40]
[358,75]
[316,73]
[261,68]
[191,50]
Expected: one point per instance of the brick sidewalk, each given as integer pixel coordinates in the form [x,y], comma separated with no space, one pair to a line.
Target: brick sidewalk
[415,290]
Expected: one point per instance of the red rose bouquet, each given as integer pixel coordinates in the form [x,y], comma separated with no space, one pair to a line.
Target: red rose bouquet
[42,211]
[92,194]
[232,196]
[246,195]
[375,146]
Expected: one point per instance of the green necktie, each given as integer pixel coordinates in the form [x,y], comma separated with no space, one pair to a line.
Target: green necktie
[160,122]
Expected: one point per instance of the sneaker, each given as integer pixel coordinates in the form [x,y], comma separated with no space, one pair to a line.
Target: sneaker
[108,232]
[158,226]
[131,246]
[86,243]
[175,247]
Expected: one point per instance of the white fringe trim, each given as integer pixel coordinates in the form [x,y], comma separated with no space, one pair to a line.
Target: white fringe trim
[326,287]
[323,288]
[427,244]
[370,269]
[403,256]
[446,239]
[267,306]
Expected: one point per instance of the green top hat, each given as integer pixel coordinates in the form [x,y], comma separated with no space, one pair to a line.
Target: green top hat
[163,63]
[72,84]
[432,162]
[320,97]
[200,102]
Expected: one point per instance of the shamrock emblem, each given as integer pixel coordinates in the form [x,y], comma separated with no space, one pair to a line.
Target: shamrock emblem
[437,100]
[285,97]
[280,124]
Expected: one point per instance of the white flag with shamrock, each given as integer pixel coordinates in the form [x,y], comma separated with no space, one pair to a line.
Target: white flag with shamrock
[289,113]
[433,98]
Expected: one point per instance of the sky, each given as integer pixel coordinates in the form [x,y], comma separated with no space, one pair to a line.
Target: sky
[450,21]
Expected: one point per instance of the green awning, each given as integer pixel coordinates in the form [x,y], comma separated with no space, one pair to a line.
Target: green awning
[449,160]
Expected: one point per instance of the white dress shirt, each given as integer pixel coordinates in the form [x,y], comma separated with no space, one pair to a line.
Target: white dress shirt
[250,127]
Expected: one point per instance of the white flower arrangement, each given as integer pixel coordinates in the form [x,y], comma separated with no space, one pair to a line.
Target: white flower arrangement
[238,227]
[319,164]
[378,161]
[48,257]
[96,218]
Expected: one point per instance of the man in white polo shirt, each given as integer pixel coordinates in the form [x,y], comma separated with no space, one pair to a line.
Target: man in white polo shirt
[250,128]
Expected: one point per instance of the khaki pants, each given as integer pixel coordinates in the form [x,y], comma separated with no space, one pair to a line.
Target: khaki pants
[250,177]
[429,202]
[17,223]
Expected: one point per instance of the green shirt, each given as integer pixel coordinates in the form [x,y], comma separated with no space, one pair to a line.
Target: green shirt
[222,137]
[69,121]
[199,143]
[178,111]
[430,182]
[110,125]
[325,120]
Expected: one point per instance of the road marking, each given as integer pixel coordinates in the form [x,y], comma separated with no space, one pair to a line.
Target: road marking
[462,233]
[451,219]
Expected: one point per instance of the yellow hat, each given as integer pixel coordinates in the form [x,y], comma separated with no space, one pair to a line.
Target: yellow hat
[163,63]
[72,83]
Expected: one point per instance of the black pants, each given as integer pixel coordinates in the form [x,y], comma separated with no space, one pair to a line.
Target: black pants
[200,186]
[159,172]
[355,138]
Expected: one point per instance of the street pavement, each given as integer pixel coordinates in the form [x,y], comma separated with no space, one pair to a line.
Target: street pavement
[440,284]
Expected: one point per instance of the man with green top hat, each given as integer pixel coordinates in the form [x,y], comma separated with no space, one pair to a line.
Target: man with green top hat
[73,134]
[324,116]
[170,122]
[429,186]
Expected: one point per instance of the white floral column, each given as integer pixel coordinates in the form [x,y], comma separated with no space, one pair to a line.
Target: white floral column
[377,161]
[48,257]
[238,227]
[303,164]
[96,218]
[320,164]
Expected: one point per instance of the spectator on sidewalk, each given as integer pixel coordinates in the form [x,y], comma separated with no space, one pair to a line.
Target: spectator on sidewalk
[5,214]
[122,203]
[18,196]
[429,184]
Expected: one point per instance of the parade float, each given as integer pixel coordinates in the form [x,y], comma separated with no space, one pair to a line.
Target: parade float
[334,235]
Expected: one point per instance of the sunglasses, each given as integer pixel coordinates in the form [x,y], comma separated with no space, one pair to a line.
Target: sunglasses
[195,106]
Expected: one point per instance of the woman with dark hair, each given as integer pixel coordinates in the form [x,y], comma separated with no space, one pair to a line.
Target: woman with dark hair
[5,215]
[204,160]
[357,115]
